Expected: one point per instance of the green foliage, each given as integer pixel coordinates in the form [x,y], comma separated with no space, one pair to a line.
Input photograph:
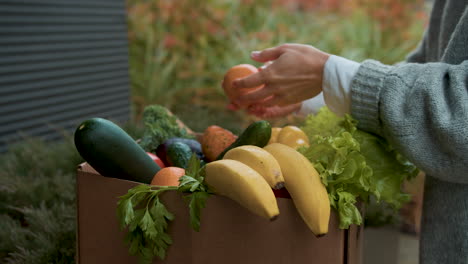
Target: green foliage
[37,202]
[159,125]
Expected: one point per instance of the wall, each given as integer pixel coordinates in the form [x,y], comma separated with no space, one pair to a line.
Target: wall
[61,61]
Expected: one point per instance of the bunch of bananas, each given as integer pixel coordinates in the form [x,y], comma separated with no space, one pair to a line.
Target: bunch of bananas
[248,175]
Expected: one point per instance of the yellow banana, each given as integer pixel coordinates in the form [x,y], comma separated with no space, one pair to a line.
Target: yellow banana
[239,182]
[292,136]
[305,186]
[260,160]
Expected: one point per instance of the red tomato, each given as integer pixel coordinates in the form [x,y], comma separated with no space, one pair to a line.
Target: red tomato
[282,193]
[156,159]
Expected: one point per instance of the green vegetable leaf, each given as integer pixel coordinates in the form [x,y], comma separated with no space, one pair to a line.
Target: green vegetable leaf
[161,214]
[134,239]
[350,213]
[193,166]
[354,165]
[159,125]
[193,183]
[125,211]
[136,220]
[186,183]
[146,221]
[197,202]
[147,218]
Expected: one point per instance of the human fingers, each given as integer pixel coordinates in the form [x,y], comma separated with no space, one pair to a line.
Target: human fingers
[232,107]
[254,97]
[274,111]
[256,110]
[282,97]
[251,81]
[280,100]
[267,54]
[265,65]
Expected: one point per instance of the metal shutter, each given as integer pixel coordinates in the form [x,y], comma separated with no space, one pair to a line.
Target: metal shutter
[61,61]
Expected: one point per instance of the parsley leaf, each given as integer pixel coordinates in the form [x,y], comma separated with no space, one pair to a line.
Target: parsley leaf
[146,219]
[193,182]
[197,202]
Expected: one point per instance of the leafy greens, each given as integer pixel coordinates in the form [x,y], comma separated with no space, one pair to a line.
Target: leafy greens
[354,165]
[146,218]
[159,125]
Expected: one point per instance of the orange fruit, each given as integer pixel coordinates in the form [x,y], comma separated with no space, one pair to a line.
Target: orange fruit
[168,176]
[293,136]
[237,72]
[274,135]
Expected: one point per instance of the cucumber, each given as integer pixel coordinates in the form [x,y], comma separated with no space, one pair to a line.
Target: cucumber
[258,134]
[178,154]
[112,152]
[194,145]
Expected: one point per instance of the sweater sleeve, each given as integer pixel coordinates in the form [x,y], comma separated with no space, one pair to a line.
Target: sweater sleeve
[421,109]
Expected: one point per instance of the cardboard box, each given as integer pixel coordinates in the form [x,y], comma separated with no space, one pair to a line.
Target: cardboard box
[229,234]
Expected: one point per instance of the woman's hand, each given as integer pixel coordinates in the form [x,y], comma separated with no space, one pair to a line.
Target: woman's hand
[273,112]
[294,74]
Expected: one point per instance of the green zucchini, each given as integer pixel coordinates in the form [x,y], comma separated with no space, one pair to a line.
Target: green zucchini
[258,134]
[112,152]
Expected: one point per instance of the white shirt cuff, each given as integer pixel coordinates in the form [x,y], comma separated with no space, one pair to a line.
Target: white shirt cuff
[312,105]
[336,85]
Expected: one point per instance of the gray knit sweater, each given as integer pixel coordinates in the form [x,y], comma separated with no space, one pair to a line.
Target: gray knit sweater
[421,107]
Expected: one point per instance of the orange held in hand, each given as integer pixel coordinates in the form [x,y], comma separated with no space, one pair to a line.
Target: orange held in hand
[237,72]
[168,176]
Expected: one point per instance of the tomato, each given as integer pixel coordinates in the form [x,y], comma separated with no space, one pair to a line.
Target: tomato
[282,193]
[156,159]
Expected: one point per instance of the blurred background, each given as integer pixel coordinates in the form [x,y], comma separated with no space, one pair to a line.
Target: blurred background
[62,62]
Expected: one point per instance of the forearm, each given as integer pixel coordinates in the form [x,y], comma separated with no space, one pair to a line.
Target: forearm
[337,75]
[422,109]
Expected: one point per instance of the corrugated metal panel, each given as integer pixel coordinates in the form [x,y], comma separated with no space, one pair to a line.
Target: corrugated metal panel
[61,62]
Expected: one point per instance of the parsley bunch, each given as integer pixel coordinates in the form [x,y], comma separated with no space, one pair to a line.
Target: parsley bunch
[146,218]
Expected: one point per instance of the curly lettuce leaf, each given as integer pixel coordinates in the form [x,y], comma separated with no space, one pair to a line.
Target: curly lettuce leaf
[354,165]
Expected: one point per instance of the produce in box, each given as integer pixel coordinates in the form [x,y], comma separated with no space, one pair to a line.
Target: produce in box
[215,140]
[258,134]
[241,183]
[112,152]
[305,187]
[292,136]
[326,163]
[261,161]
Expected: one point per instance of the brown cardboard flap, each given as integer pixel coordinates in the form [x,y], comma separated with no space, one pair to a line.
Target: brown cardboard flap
[229,233]
[354,243]
[242,237]
[87,168]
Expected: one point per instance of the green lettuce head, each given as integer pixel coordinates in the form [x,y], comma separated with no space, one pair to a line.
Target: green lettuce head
[354,165]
